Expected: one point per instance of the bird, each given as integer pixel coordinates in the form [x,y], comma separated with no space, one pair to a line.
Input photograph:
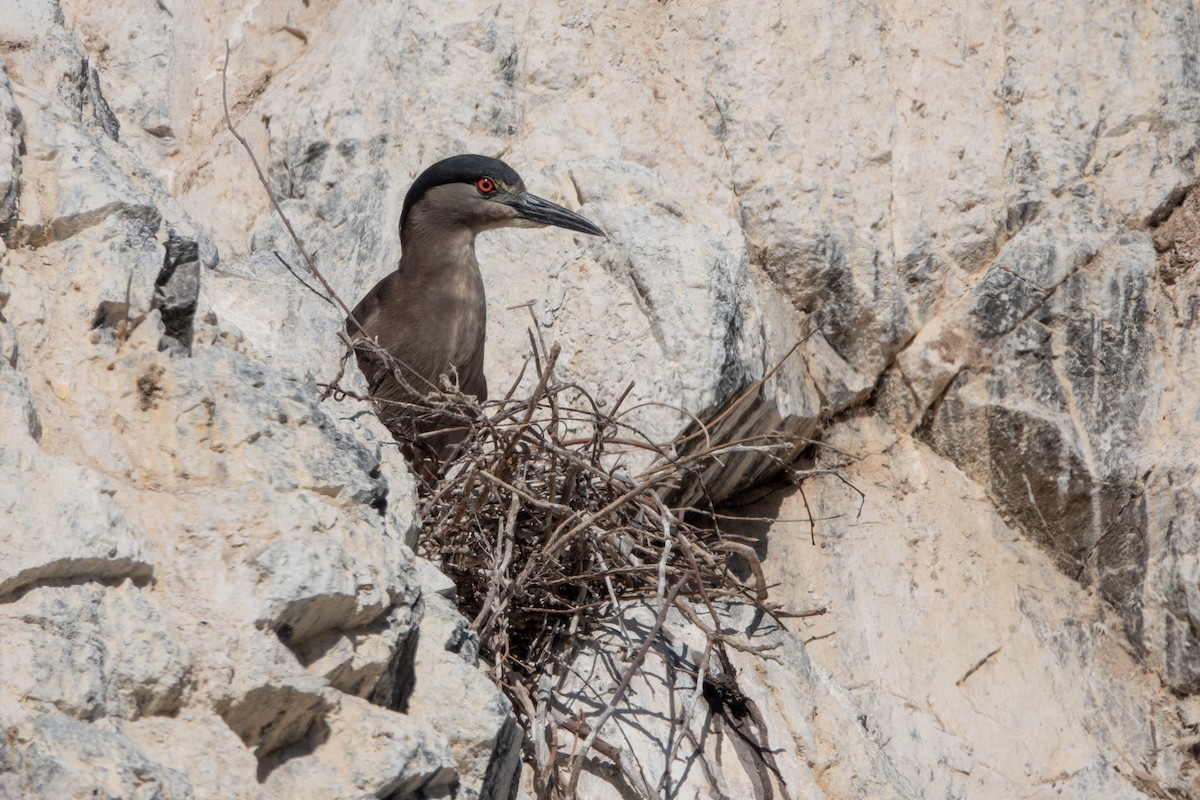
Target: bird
[429,316]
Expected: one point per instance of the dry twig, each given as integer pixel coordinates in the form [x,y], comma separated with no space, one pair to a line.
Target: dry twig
[547,544]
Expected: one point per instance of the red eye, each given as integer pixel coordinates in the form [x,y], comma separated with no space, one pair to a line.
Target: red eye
[485,185]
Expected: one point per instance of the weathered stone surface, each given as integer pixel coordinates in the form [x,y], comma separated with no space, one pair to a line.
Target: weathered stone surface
[92,652]
[1060,429]
[11,126]
[369,752]
[314,584]
[480,726]
[177,289]
[149,25]
[276,311]
[1026,689]
[981,215]
[24,21]
[373,661]
[139,430]
[53,755]
[277,714]
[215,760]
[19,420]
[1171,488]
[793,730]
[74,185]
[61,523]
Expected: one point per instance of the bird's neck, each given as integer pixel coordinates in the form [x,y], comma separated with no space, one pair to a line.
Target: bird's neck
[437,252]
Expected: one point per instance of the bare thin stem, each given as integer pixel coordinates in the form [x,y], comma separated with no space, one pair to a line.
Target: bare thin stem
[287,223]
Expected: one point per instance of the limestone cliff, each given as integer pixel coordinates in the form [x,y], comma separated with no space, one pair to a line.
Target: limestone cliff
[978,219]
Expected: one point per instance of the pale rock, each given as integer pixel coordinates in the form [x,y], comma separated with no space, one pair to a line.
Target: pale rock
[77,182]
[255,684]
[479,726]
[275,714]
[1189,713]
[313,583]
[19,419]
[938,354]
[281,312]
[61,522]
[52,755]
[365,752]
[1055,429]
[84,213]
[373,661]
[1159,448]
[273,516]
[24,21]
[143,98]
[1097,779]
[11,130]
[822,721]
[794,728]
[978,219]
[9,346]
[433,581]
[93,652]
[217,403]
[1025,273]
[56,65]
[838,385]
[1027,679]
[86,182]
[215,760]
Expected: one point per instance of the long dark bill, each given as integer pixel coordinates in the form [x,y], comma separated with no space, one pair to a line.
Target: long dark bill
[543,212]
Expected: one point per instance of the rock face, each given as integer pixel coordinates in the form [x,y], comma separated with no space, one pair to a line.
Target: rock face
[195,548]
[978,221]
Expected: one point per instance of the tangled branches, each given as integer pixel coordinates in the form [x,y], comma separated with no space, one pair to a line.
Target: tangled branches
[547,540]
[541,534]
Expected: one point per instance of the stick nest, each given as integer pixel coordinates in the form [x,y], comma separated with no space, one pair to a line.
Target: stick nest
[546,538]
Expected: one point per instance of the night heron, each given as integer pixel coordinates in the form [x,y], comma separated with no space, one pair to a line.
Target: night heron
[426,322]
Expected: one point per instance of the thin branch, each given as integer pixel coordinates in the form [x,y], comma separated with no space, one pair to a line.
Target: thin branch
[312,267]
[626,679]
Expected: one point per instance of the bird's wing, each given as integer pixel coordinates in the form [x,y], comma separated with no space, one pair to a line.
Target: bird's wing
[471,379]
[393,333]
[409,322]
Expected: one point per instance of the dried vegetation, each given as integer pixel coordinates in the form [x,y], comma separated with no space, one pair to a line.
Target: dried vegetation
[549,540]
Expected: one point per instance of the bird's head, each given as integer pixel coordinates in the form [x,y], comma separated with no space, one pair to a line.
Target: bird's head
[481,193]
